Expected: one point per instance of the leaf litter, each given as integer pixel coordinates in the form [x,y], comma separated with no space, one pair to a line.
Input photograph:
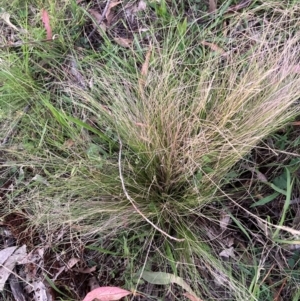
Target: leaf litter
[108,293]
[11,258]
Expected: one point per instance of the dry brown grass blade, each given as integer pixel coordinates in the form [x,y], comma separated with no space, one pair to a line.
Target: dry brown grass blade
[144,71]
[145,66]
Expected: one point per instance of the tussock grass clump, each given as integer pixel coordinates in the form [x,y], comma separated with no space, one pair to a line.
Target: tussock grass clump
[147,153]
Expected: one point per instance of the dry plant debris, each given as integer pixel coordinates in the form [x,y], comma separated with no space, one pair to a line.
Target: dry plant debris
[259,208]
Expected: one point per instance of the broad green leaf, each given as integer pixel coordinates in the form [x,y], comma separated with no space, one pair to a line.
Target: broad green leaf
[265,200]
[278,189]
[162,278]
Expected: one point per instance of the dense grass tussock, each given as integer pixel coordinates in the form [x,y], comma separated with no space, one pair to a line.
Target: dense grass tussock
[146,152]
[184,128]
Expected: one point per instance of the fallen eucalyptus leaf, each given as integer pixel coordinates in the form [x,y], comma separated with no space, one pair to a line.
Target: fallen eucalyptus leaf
[8,266]
[4,254]
[127,43]
[213,47]
[227,253]
[106,293]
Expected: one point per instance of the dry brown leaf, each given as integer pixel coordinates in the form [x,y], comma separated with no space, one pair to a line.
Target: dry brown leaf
[77,77]
[212,6]
[224,221]
[131,9]
[144,70]
[213,47]
[98,20]
[72,261]
[109,15]
[229,241]
[192,297]
[127,43]
[68,143]
[227,253]
[95,14]
[145,66]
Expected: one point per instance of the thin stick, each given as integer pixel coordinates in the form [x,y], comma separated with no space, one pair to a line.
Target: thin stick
[101,19]
[129,198]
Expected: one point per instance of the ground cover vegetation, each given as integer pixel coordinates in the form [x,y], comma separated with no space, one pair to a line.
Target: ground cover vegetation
[152,146]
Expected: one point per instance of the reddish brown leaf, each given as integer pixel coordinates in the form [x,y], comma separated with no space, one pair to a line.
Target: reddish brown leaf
[69,143]
[123,42]
[106,293]
[46,21]
[192,297]
[213,47]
